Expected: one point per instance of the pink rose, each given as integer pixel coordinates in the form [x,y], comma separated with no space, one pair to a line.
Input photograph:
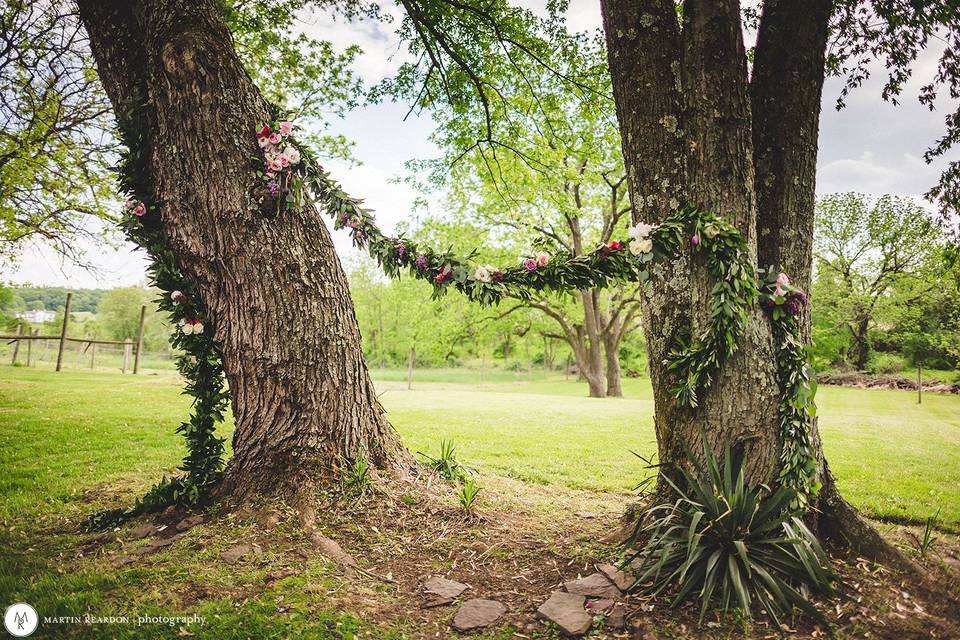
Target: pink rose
[275,138]
[284,160]
[286,128]
[530,264]
[139,210]
[276,165]
[542,259]
[263,142]
[695,240]
[782,281]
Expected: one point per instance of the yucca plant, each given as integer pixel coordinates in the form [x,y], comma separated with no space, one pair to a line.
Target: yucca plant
[447,464]
[731,543]
[356,477]
[468,494]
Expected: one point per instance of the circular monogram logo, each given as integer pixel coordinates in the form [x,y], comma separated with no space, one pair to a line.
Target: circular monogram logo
[20,619]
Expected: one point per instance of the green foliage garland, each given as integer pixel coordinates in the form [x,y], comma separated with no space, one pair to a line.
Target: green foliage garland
[798,386]
[201,363]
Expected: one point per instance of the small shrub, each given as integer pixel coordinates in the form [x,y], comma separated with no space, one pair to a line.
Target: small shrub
[446,464]
[731,543]
[468,494]
[356,477]
[885,363]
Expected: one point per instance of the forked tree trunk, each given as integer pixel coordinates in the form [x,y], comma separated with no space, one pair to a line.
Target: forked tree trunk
[686,138]
[693,130]
[276,294]
[611,349]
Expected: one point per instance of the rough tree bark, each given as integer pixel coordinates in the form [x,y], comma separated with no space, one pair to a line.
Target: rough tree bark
[694,128]
[276,294]
[786,91]
[684,116]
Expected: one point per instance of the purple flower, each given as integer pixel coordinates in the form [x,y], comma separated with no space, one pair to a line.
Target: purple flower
[274,188]
[421,262]
[401,248]
[695,240]
[497,276]
[792,307]
[530,264]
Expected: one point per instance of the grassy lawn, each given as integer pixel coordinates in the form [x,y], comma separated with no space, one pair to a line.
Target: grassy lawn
[61,434]
[75,442]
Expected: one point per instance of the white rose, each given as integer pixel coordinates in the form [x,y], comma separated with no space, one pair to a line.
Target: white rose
[198,328]
[641,230]
[712,232]
[292,154]
[175,296]
[482,274]
[644,245]
[187,329]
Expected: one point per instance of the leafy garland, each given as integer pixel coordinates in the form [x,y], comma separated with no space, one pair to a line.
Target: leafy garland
[290,176]
[201,362]
[798,386]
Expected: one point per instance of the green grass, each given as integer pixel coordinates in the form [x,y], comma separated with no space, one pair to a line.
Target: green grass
[62,435]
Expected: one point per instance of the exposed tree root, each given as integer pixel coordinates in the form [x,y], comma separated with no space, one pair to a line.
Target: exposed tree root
[843,524]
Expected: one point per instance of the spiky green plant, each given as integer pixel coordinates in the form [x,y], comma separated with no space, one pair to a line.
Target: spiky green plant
[468,494]
[446,464]
[731,543]
[356,477]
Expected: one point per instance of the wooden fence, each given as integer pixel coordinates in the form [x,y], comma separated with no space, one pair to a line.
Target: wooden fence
[131,348]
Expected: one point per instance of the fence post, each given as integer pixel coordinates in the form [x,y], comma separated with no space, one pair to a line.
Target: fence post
[16,343]
[127,347]
[93,353]
[63,330]
[136,355]
[30,346]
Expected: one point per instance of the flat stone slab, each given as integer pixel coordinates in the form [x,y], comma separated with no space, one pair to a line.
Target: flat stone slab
[235,553]
[596,585]
[444,588]
[189,522]
[142,531]
[617,618]
[621,579]
[477,613]
[566,611]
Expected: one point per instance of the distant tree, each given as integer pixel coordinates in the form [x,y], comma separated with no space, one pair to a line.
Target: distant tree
[557,183]
[54,169]
[118,312]
[866,250]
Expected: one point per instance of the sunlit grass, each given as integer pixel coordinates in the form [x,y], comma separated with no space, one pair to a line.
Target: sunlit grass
[61,434]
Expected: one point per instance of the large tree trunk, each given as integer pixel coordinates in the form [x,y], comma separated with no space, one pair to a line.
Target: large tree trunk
[786,90]
[686,138]
[275,292]
[692,132]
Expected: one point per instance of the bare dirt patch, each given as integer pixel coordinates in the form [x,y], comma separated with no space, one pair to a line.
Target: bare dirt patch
[525,542]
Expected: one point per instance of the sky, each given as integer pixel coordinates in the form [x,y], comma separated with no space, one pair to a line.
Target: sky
[870,146]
